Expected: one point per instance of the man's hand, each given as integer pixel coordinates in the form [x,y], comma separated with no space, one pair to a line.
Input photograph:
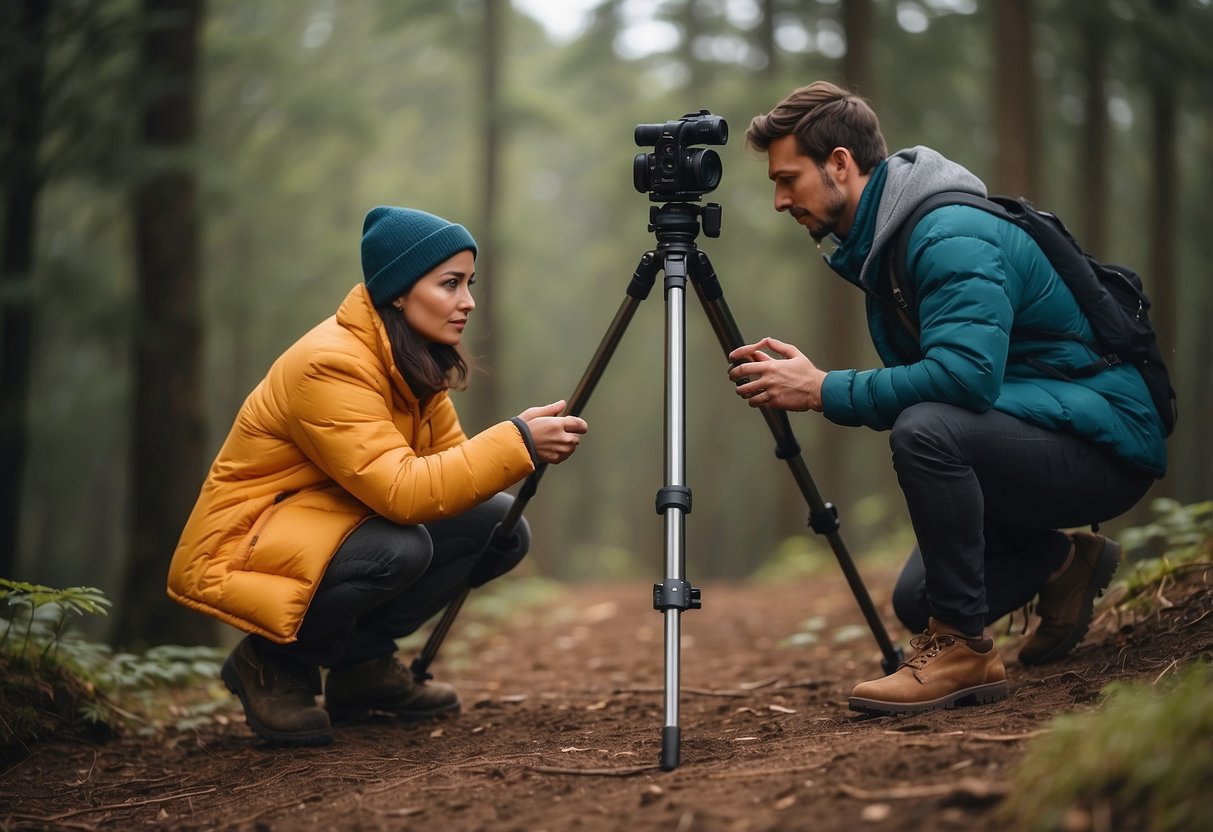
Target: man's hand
[793,383]
[555,436]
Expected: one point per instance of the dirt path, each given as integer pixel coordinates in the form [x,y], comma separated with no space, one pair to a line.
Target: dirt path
[561,729]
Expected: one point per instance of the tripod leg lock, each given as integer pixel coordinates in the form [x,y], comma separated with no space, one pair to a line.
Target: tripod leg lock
[825,521]
[674,496]
[673,594]
[788,450]
[420,670]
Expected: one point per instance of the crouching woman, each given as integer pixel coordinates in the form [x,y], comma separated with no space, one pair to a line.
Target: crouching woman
[347,506]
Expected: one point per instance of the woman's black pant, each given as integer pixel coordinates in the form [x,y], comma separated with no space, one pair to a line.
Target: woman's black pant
[986,494]
[386,580]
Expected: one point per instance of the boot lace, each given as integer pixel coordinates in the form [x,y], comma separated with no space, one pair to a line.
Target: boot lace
[283,678]
[398,671]
[1027,611]
[927,646]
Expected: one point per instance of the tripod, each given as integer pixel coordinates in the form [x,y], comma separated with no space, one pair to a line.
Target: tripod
[676,225]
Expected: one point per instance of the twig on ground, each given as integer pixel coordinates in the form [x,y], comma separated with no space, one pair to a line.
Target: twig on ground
[766,772]
[1158,678]
[965,787]
[125,805]
[474,761]
[1026,735]
[729,694]
[594,772]
[272,778]
[37,819]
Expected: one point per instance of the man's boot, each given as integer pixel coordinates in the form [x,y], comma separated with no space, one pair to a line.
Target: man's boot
[385,685]
[278,697]
[948,668]
[1067,600]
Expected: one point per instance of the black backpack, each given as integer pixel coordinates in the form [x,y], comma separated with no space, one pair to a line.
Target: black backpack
[1111,297]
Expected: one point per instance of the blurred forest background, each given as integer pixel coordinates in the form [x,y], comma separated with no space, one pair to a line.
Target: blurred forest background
[184,184]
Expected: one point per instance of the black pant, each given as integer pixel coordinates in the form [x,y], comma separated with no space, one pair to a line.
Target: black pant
[386,580]
[986,494]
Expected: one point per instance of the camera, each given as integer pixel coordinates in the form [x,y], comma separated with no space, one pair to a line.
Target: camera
[675,170]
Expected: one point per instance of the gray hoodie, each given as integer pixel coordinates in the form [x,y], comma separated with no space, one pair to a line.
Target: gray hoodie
[913,175]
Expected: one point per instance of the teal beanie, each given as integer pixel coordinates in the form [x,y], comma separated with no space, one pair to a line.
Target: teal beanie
[400,245]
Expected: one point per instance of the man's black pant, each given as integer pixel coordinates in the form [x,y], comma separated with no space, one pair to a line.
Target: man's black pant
[386,580]
[987,494]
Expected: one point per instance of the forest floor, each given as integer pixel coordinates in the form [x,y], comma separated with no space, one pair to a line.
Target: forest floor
[561,730]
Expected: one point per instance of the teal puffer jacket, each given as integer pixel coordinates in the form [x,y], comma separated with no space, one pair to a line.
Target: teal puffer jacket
[980,283]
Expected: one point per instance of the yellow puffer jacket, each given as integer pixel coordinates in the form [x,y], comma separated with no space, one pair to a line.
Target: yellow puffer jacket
[331,436]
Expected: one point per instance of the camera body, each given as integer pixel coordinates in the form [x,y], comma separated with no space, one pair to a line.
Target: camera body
[675,170]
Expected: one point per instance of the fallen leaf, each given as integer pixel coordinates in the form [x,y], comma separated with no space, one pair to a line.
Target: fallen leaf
[780,709]
[600,612]
[876,812]
[785,802]
[437,732]
[597,706]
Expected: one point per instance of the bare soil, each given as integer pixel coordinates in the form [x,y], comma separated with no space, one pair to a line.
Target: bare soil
[561,729]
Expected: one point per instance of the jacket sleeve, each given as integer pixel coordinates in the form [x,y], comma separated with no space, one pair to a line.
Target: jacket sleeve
[965,318]
[445,424]
[341,419]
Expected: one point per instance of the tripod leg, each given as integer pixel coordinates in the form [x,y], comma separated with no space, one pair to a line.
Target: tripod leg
[674,595]
[823,516]
[639,288]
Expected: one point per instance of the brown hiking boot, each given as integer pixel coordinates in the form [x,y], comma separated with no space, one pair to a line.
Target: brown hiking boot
[278,697]
[947,669]
[1066,601]
[385,685]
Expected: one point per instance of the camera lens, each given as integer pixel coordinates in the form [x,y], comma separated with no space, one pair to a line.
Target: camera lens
[706,169]
[640,172]
[648,133]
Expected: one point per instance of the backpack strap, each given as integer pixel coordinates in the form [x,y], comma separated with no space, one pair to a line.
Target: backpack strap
[1012,211]
[903,302]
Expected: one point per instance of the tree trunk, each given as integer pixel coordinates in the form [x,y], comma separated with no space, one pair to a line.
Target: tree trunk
[484,396]
[21,180]
[1164,212]
[168,436]
[1093,149]
[857,62]
[841,317]
[766,39]
[1014,99]
[1164,193]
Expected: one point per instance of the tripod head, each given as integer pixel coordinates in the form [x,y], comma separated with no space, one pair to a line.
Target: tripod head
[679,221]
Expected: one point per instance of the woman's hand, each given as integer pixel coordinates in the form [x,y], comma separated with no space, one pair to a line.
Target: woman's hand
[555,436]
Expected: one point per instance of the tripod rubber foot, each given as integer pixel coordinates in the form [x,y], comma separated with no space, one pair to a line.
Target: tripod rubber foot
[669,747]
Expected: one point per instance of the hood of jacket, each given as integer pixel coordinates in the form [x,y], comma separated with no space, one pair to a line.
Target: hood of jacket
[896,188]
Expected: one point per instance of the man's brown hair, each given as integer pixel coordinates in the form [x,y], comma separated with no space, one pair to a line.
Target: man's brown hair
[822,116]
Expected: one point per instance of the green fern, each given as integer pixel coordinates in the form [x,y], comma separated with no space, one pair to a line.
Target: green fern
[45,610]
[37,637]
[1182,535]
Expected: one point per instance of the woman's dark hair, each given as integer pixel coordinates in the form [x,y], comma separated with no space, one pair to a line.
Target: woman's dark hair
[427,367]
